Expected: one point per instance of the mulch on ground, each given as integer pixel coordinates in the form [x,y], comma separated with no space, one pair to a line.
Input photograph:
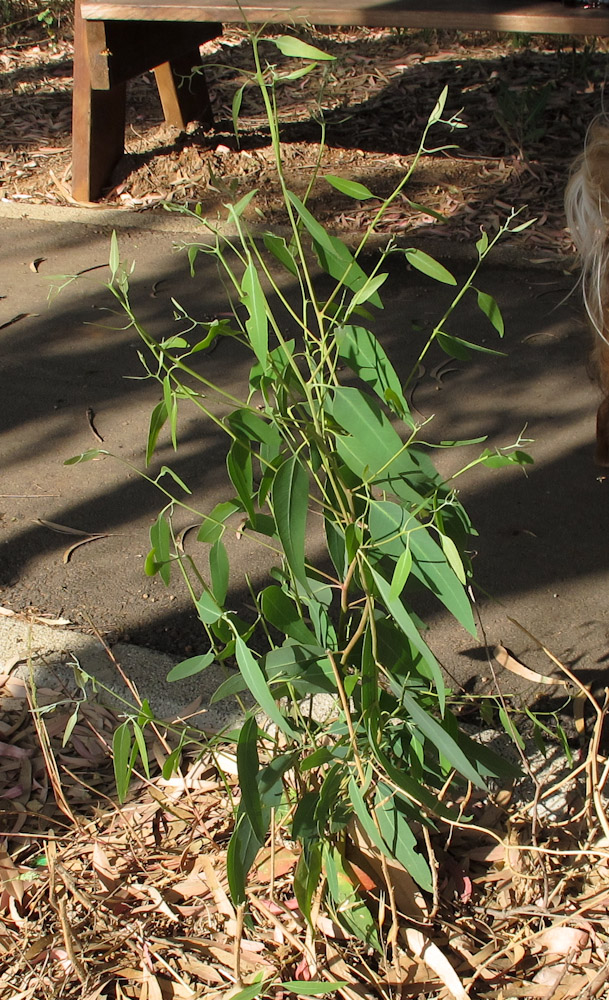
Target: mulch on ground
[131,902]
[527,102]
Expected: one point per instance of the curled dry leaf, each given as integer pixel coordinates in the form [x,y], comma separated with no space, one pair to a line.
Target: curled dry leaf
[505,659]
[106,873]
[35,264]
[424,948]
[76,545]
[16,319]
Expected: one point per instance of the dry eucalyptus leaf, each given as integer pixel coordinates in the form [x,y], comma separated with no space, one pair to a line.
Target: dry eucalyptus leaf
[83,541]
[424,948]
[563,940]
[16,319]
[505,659]
[63,529]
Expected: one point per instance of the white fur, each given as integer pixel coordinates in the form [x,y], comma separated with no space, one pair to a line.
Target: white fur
[587,210]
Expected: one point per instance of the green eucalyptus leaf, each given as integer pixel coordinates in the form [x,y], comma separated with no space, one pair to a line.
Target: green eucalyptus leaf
[290,507]
[297,74]
[121,757]
[368,290]
[281,611]
[495,460]
[365,356]
[243,847]
[397,834]
[312,988]
[373,450]
[293,47]
[522,226]
[237,210]
[219,569]
[334,257]
[166,471]
[208,609]
[280,250]
[239,466]
[453,558]
[158,418]
[85,456]
[401,573]
[236,108]
[482,244]
[229,688]
[251,426]
[491,310]
[213,526]
[248,765]
[170,343]
[193,665]
[160,539]
[351,188]
[172,761]
[114,261]
[429,265]
[402,618]
[443,742]
[257,324]
[140,742]
[438,109]
[456,347]
[306,877]
[304,667]
[349,909]
[258,686]
[255,989]
[70,727]
[364,817]
[335,540]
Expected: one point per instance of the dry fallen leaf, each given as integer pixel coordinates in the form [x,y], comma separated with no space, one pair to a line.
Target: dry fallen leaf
[83,541]
[16,319]
[505,659]
[425,949]
[63,529]
[563,940]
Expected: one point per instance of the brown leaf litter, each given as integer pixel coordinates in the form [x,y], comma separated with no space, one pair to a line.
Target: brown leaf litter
[526,101]
[99,900]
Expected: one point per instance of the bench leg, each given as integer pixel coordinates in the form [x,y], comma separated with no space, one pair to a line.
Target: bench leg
[98,123]
[184,95]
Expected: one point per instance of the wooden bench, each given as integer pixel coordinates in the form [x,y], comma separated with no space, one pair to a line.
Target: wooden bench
[115,40]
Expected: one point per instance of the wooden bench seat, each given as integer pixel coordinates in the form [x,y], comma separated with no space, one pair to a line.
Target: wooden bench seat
[115,40]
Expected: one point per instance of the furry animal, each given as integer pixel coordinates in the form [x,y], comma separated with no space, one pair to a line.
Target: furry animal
[587,210]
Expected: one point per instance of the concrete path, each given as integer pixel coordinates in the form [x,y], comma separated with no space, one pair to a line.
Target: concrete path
[543,548]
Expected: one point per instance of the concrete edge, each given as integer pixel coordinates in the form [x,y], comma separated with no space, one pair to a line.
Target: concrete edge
[45,654]
[511,253]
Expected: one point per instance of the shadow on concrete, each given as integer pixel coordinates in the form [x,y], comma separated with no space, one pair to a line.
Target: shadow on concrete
[542,547]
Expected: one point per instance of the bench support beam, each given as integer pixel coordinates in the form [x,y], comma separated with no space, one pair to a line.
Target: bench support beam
[106,55]
[184,95]
[98,124]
